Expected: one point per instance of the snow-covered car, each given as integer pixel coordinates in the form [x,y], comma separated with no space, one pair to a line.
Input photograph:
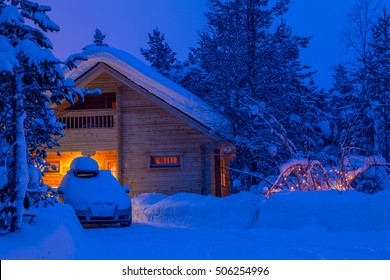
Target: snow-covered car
[96,195]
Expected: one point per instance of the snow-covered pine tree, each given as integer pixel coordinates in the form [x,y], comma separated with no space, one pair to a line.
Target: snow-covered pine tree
[358,96]
[98,38]
[366,38]
[343,106]
[293,96]
[159,54]
[31,78]
[381,79]
[358,39]
[192,76]
[253,76]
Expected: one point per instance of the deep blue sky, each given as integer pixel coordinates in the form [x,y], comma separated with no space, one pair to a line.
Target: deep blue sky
[127,22]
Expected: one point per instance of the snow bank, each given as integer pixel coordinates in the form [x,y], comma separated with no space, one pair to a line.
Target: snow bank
[142,202]
[54,234]
[198,211]
[330,209]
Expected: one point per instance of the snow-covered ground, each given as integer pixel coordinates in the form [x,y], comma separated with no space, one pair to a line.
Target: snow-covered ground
[289,225]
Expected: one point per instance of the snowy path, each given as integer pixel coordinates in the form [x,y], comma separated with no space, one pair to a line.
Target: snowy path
[148,241]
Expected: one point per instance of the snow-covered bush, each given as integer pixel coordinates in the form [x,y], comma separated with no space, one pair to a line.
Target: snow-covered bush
[38,193]
[367,174]
[302,175]
[7,209]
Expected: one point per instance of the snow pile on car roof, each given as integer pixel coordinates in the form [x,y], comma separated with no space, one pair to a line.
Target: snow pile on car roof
[85,164]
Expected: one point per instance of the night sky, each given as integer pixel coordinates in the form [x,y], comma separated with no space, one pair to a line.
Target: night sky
[127,23]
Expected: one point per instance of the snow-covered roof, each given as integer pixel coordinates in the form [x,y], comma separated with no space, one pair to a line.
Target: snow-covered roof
[147,78]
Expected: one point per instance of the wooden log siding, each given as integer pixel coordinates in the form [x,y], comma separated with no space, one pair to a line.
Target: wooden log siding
[147,130]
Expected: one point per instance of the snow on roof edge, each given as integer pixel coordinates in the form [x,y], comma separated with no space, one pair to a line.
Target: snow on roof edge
[146,77]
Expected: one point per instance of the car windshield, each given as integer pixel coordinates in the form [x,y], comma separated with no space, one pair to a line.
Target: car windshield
[85,174]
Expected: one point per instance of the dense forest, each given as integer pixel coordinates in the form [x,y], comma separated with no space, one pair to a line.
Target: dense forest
[287,133]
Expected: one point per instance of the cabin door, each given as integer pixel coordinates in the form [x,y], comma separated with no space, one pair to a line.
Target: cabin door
[222,174]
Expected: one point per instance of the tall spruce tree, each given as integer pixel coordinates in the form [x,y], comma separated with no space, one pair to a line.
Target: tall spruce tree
[253,75]
[358,39]
[367,38]
[159,54]
[343,107]
[31,78]
[359,98]
[192,76]
[381,79]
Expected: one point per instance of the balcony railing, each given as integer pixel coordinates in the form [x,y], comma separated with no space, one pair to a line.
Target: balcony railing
[88,119]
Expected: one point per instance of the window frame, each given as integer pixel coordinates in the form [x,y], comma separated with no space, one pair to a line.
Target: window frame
[152,166]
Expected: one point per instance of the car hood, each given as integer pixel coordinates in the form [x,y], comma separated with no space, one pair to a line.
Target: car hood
[82,201]
[81,193]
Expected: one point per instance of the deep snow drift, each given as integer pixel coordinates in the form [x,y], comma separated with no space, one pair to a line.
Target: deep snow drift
[332,210]
[196,211]
[289,225]
[54,234]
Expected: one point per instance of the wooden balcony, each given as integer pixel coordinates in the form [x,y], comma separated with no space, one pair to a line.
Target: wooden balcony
[89,130]
[89,119]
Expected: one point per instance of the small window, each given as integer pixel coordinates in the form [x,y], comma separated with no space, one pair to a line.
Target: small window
[165,161]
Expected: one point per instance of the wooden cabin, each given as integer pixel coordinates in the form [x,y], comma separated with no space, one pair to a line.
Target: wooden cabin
[152,134]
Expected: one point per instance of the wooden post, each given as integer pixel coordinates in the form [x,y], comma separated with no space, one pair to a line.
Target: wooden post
[217,160]
[203,169]
[119,162]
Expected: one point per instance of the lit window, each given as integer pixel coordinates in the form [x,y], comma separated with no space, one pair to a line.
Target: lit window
[165,161]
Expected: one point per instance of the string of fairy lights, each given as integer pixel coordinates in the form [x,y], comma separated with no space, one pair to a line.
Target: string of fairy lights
[306,179]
